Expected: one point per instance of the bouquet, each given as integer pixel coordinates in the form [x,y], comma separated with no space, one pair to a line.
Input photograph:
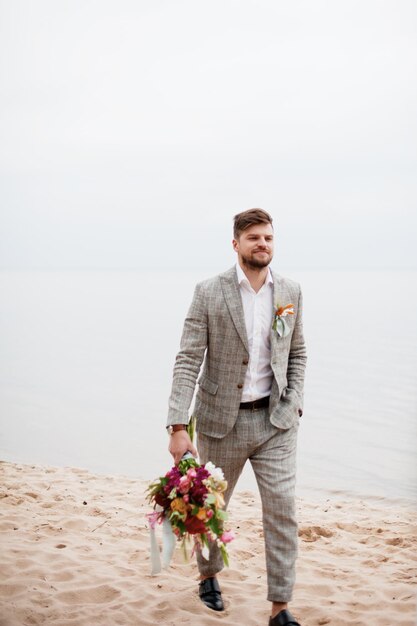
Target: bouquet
[189,499]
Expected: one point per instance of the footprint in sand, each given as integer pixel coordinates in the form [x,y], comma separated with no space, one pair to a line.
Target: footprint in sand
[245,555]
[63,575]
[395,541]
[31,494]
[92,595]
[313,533]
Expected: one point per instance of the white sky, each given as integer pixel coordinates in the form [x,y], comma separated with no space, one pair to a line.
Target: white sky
[131,132]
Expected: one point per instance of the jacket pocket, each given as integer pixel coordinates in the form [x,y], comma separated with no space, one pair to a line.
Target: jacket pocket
[208,385]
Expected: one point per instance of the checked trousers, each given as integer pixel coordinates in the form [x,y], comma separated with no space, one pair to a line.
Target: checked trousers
[272,454]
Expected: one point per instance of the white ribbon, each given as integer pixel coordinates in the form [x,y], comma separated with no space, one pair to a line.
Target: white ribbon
[155,557]
[282,327]
[168,543]
[168,546]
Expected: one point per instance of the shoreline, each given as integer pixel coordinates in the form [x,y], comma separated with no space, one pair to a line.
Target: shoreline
[75,548]
[302,492]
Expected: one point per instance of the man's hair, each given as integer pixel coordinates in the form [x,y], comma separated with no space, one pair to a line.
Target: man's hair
[243,220]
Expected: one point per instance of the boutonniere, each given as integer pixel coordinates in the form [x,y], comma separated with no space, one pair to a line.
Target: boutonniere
[280,325]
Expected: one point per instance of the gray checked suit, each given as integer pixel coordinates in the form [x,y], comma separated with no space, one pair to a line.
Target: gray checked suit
[214,337]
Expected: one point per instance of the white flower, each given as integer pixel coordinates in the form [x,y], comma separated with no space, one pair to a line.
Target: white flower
[215,472]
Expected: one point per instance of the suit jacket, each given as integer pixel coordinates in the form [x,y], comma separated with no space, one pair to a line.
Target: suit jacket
[215,332]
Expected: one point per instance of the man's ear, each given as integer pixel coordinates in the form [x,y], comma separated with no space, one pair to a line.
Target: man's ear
[235,245]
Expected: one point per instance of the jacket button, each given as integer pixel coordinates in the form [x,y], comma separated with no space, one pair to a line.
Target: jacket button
[245,362]
[240,386]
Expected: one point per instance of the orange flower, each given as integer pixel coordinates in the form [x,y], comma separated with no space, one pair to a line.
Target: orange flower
[288,309]
[202,514]
[179,505]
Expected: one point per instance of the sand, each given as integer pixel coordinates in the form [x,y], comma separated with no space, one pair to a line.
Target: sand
[75,552]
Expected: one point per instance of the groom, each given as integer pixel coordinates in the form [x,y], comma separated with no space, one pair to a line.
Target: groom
[250,396]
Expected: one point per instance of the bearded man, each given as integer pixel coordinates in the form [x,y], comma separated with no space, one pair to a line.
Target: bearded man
[246,325]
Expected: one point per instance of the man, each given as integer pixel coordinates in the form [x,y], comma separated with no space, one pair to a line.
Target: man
[250,396]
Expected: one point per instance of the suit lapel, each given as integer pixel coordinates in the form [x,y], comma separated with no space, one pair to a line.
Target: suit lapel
[231,292]
[281,297]
[281,294]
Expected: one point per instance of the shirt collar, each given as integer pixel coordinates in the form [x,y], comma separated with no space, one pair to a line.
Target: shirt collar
[242,278]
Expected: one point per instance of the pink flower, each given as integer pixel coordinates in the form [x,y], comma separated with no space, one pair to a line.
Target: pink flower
[191,473]
[173,476]
[227,536]
[185,484]
[209,514]
[186,498]
[153,518]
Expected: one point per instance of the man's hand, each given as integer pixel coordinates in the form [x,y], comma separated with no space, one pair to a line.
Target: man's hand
[179,444]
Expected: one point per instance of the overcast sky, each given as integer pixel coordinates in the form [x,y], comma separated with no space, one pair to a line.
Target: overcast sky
[131,132]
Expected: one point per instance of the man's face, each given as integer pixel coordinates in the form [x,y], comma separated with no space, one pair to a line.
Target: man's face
[255,246]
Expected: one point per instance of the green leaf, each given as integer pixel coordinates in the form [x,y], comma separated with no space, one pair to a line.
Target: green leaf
[214,526]
[184,549]
[185,465]
[224,555]
[176,515]
[222,515]
[191,427]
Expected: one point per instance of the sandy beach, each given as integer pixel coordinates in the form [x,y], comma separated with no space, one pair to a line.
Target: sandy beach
[75,552]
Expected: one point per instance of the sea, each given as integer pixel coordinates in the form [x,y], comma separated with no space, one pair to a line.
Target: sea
[86,362]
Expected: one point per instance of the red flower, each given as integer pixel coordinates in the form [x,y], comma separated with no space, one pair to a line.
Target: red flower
[162,500]
[195,526]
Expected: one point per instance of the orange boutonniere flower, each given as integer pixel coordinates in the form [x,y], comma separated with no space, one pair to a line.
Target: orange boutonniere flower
[288,309]
[280,325]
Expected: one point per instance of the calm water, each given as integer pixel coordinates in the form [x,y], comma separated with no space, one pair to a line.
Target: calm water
[86,362]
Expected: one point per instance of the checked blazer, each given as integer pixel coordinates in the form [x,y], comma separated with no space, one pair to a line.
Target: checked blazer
[214,353]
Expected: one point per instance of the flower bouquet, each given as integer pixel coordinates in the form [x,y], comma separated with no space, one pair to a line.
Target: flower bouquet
[189,502]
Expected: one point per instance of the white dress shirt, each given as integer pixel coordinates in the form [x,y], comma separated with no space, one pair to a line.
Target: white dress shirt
[258,312]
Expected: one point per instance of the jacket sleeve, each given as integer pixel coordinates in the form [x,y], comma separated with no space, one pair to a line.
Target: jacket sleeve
[189,359]
[298,355]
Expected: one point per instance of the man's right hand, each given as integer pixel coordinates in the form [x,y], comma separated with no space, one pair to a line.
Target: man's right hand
[179,444]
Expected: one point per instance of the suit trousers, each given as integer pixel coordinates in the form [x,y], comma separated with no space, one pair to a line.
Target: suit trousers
[272,453]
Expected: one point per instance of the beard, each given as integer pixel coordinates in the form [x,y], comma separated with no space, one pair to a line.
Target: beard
[254,263]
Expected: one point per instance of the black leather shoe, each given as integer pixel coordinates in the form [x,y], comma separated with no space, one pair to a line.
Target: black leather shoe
[210,594]
[284,618]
